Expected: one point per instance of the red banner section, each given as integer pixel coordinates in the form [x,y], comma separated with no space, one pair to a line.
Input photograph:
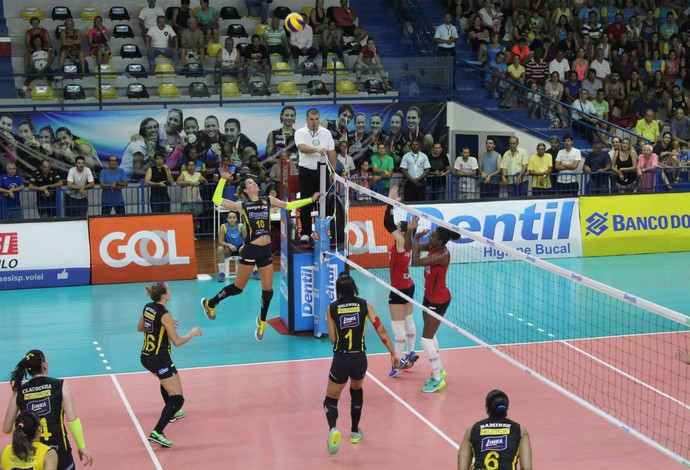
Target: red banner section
[368,238]
[142,248]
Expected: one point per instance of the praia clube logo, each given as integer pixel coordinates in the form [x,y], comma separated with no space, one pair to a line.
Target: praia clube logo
[598,223]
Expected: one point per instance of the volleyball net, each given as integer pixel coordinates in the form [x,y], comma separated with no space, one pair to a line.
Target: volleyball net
[611,351]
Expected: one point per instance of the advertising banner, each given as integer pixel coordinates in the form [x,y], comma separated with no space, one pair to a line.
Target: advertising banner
[142,248]
[633,224]
[540,228]
[44,254]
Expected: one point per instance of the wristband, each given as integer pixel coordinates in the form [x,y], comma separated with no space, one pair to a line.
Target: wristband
[77,432]
[299,203]
[218,193]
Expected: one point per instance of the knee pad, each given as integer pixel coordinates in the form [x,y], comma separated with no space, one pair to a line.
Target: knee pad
[232,289]
[266,296]
[176,401]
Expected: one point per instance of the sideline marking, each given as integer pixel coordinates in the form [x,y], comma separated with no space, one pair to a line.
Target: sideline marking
[143,437]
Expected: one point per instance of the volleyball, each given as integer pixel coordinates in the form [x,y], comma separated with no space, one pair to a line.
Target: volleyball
[294,22]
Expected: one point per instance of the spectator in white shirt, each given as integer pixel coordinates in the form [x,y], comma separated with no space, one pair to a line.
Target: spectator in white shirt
[466,169]
[148,16]
[560,65]
[301,44]
[567,162]
[158,42]
[445,37]
[600,65]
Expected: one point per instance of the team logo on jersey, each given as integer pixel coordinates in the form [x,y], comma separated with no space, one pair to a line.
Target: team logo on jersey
[349,321]
[494,443]
[40,407]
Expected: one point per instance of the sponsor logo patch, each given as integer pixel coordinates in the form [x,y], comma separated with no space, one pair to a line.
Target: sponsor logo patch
[349,321]
[40,407]
[494,443]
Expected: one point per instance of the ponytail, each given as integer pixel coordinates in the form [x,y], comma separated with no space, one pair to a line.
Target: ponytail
[30,365]
[25,427]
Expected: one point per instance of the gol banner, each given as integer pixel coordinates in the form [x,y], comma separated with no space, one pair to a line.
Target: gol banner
[142,248]
[368,239]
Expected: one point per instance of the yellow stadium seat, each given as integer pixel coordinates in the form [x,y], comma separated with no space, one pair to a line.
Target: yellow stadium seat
[168,90]
[106,92]
[230,89]
[306,11]
[41,92]
[281,68]
[165,70]
[89,13]
[213,48]
[106,71]
[260,29]
[346,87]
[30,12]
[287,88]
[339,66]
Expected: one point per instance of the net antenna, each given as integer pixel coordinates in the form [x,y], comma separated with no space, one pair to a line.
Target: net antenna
[610,351]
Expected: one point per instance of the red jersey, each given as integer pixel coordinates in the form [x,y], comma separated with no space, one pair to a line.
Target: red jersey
[399,264]
[435,289]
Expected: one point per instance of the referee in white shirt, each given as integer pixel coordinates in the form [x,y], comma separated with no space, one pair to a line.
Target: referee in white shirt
[445,37]
[312,141]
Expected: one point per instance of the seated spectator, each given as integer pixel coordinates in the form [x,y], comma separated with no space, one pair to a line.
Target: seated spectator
[230,241]
[560,65]
[256,59]
[562,11]
[604,43]
[521,30]
[318,19]
[554,90]
[571,88]
[11,186]
[645,102]
[301,45]
[497,76]
[593,27]
[550,49]
[616,29]
[208,21]
[634,35]
[522,50]
[657,85]
[479,35]
[561,29]
[623,67]
[668,157]
[601,105]
[581,64]
[112,180]
[669,27]
[569,46]
[648,128]
[148,17]
[40,58]
[592,83]
[652,44]
[634,87]
[71,42]
[494,47]
[601,65]
[586,11]
[331,41]
[180,17]
[588,45]
[192,44]
[161,40]
[98,37]
[615,94]
[258,8]
[597,165]
[228,62]
[534,99]
[623,46]
[369,59]
[345,17]
[275,39]
[677,100]
[35,30]
[680,128]
[654,64]
[584,118]
[671,68]
[538,27]
[537,69]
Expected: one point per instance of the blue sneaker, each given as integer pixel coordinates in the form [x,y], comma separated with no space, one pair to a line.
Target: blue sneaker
[255,275]
[333,444]
[221,277]
[394,371]
[410,359]
[433,385]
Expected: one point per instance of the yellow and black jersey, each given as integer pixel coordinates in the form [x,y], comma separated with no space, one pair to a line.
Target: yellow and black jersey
[43,396]
[33,462]
[349,315]
[156,341]
[257,218]
[495,444]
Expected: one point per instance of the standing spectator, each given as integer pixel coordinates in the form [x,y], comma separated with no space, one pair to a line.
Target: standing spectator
[258,8]
[45,182]
[301,44]
[597,165]
[345,17]
[148,17]
[180,17]
[445,37]
[331,41]
[192,44]
[313,141]
[567,161]
[415,167]
[11,186]
[647,164]
[40,58]
[539,168]
[158,178]
[648,127]
[158,42]
[680,127]
[440,169]
[98,37]
[208,21]
[35,30]
[466,168]
[256,59]
[112,179]
[513,167]
[382,168]
[190,180]
[275,39]
[554,148]
[318,18]
[79,181]
[71,42]
[370,59]
[490,171]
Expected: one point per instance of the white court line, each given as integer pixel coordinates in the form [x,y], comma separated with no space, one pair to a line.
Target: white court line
[414,412]
[143,437]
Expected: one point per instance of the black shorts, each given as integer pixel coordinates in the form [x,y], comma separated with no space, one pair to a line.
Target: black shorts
[348,366]
[256,255]
[160,366]
[437,308]
[65,461]
[395,299]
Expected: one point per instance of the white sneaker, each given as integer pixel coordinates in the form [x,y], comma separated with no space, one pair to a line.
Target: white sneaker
[304,239]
